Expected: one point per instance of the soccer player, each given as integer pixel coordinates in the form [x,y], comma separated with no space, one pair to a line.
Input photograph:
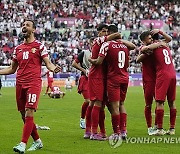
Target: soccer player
[50,81]
[56,93]
[96,84]
[165,86]
[27,60]
[149,75]
[117,60]
[81,63]
[68,84]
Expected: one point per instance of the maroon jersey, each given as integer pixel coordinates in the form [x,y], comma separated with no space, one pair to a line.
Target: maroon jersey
[163,62]
[148,68]
[96,71]
[29,58]
[117,58]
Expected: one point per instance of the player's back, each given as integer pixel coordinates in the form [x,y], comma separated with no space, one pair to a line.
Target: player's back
[96,71]
[164,64]
[118,61]
[148,68]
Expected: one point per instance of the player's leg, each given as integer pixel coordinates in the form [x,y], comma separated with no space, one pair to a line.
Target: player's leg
[123,113]
[160,96]
[0,86]
[171,94]
[88,120]
[33,94]
[149,88]
[83,113]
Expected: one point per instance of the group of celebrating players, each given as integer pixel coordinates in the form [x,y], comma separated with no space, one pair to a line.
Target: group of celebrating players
[105,81]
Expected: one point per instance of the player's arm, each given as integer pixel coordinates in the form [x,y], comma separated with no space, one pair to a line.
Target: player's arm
[97,61]
[50,66]
[129,44]
[113,36]
[152,46]
[141,57]
[11,69]
[77,66]
[167,38]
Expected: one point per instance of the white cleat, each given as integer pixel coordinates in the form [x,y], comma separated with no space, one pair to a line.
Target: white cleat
[82,123]
[160,132]
[151,131]
[42,127]
[20,148]
[171,132]
[36,145]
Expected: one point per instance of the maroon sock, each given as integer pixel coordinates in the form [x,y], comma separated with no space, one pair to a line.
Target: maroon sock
[34,133]
[172,118]
[95,118]
[27,130]
[123,119]
[160,115]
[115,123]
[147,113]
[83,109]
[88,118]
[101,121]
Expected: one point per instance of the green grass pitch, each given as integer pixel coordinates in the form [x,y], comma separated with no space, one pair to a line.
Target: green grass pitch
[65,136]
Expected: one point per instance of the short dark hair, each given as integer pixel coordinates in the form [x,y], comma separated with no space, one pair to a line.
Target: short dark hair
[34,25]
[155,36]
[144,35]
[101,26]
[112,28]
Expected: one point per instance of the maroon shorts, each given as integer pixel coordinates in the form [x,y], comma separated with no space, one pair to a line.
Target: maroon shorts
[149,91]
[96,89]
[83,86]
[165,88]
[27,96]
[116,91]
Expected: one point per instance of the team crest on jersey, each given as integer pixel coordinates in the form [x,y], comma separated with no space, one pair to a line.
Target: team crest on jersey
[33,50]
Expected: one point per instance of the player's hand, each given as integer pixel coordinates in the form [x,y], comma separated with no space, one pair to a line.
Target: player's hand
[87,72]
[164,44]
[57,69]
[155,31]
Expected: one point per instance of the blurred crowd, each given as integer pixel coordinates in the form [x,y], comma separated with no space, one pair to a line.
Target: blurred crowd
[65,41]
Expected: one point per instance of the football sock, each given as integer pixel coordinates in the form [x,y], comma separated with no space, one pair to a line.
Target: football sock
[123,119]
[115,123]
[172,118]
[147,113]
[88,118]
[101,121]
[95,118]
[34,133]
[83,109]
[160,115]
[27,130]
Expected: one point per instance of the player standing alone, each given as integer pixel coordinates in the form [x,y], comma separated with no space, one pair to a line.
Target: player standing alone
[27,60]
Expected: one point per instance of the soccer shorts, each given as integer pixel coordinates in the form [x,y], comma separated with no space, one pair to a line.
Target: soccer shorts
[149,91]
[83,86]
[27,96]
[165,88]
[96,89]
[116,91]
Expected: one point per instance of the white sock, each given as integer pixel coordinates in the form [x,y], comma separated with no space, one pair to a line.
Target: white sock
[38,140]
[23,144]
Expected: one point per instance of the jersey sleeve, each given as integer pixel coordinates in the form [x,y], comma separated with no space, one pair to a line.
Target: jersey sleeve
[103,50]
[43,51]
[101,40]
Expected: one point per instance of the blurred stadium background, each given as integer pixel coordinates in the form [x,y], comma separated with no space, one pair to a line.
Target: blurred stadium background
[65,26]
